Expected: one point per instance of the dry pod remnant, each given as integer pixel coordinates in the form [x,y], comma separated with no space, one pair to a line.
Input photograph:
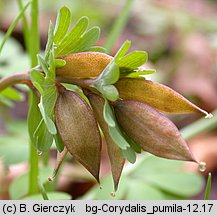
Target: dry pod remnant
[107,92]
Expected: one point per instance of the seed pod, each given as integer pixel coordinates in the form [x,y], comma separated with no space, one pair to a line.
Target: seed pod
[155,95]
[83,65]
[78,130]
[152,131]
[114,152]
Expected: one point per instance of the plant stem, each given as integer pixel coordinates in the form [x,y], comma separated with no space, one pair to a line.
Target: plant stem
[13,79]
[34,40]
[119,25]
[33,172]
[24,78]
[200,126]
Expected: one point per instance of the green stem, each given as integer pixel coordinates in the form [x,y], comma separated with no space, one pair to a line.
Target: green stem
[200,126]
[118,25]
[34,171]
[34,40]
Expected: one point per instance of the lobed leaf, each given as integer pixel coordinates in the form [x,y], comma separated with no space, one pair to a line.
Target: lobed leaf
[133,60]
[38,132]
[83,65]
[86,41]
[72,38]
[62,24]
[123,50]
[114,152]
[151,130]
[47,88]
[156,95]
[78,130]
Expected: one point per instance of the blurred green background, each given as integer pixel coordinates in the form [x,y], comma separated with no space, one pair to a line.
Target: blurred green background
[180,37]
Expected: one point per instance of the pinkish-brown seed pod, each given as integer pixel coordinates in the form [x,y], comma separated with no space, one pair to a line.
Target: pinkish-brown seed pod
[114,152]
[152,131]
[79,130]
[156,95]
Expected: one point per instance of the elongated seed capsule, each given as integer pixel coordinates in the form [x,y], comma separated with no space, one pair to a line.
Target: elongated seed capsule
[84,64]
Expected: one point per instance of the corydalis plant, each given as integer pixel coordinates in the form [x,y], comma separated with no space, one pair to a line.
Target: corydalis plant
[107,92]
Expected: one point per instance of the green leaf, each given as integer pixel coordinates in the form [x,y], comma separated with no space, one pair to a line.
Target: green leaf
[129,154]
[72,38]
[50,42]
[60,63]
[46,86]
[43,64]
[37,79]
[96,49]
[14,149]
[11,94]
[136,74]
[137,148]
[34,115]
[43,139]
[108,115]
[87,40]
[110,74]
[139,190]
[118,138]
[5,101]
[109,91]
[132,60]
[52,66]
[104,192]
[59,142]
[19,187]
[38,131]
[183,184]
[14,146]
[123,50]
[62,24]
[46,107]
[208,187]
